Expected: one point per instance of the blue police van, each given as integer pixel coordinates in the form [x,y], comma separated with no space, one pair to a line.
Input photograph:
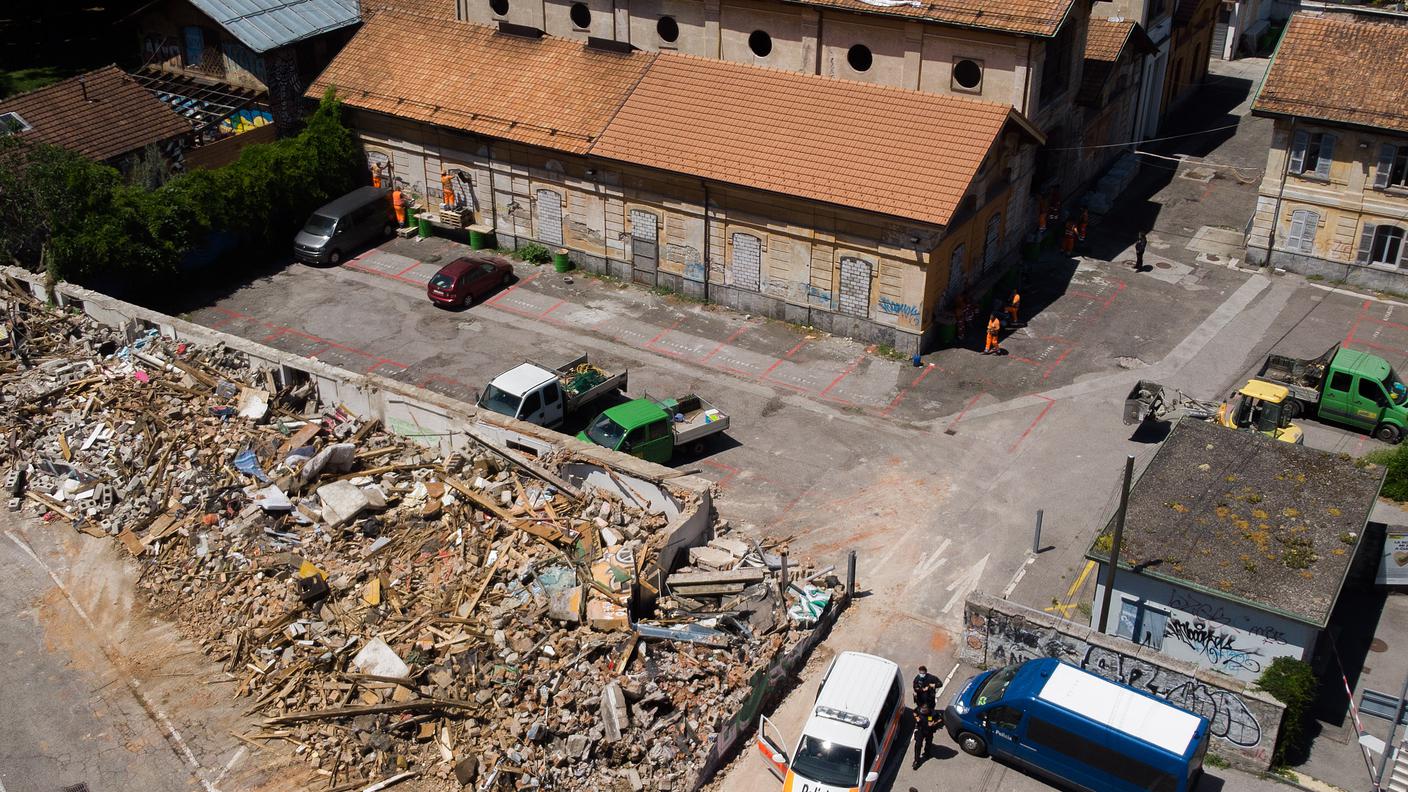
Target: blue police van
[1074,726]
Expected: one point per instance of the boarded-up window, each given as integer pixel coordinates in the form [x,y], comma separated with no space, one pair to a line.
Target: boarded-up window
[745,261]
[1304,224]
[549,211]
[855,286]
[991,241]
[956,263]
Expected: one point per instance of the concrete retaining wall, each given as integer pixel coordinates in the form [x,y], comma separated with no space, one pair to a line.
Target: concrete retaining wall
[1245,721]
[428,417]
[1364,276]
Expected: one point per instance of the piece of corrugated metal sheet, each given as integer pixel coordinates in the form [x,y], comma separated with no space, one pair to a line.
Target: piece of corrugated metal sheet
[263,25]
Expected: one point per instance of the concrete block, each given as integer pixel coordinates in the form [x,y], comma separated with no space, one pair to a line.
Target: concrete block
[710,557]
[16,503]
[615,717]
[735,547]
[342,500]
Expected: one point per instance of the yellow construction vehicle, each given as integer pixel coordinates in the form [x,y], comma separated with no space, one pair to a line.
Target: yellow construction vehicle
[1258,406]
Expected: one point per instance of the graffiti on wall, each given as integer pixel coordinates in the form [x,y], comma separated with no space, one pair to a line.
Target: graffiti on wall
[816,294]
[246,59]
[1218,646]
[687,257]
[905,315]
[992,637]
[1196,605]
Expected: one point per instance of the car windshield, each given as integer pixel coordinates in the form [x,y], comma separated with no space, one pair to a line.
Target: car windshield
[1395,387]
[499,401]
[995,685]
[441,281]
[827,763]
[606,432]
[318,225]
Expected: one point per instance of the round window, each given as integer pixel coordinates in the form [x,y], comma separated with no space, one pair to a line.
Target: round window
[581,15]
[499,7]
[859,57]
[668,29]
[968,73]
[760,43]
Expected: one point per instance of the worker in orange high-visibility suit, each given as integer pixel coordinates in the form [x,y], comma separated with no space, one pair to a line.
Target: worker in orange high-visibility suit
[1068,239]
[398,202]
[994,327]
[376,175]
[1013,306]
[447,191]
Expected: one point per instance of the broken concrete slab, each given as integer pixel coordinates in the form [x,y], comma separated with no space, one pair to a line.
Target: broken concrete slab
[378,659]
[615,717]
[711,557]
[342,500]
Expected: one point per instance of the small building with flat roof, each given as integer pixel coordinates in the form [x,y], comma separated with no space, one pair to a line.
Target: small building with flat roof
[1235,548]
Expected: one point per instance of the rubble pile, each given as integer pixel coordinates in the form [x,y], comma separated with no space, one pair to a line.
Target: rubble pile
[392,614]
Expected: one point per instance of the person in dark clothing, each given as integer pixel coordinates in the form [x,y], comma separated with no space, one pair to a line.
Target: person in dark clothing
[926,688]
[1139,251]
[926,722]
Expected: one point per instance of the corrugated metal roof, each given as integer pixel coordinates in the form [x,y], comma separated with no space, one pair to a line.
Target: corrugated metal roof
[263,25]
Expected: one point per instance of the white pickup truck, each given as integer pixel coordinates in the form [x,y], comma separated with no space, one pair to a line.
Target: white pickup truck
[546,396]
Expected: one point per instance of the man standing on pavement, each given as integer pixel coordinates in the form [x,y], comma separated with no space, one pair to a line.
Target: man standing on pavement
[993,347]
[1139,251]
[926,688]
[926,722]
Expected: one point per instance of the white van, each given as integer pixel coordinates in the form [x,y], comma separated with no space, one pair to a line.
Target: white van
[851,731]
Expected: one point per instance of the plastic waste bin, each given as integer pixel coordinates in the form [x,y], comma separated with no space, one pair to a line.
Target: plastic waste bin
[476,240]
[423,223]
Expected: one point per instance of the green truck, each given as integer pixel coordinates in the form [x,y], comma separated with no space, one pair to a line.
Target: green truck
[652,429]
[1344,386]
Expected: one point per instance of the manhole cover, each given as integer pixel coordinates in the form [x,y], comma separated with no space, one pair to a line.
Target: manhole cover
[1378,645]
[1163,265]
[76,788]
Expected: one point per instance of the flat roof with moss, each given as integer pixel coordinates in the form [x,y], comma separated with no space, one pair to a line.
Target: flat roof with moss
[1244,517]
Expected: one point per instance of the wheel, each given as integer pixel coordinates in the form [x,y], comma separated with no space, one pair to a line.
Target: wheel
[335,257]
[503,284]
[1388,433]
[1294,409]
[972,744]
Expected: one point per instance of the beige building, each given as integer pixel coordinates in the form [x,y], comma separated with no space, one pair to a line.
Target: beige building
[1115,54]
[860,209]
[1334,200]
[1024,53]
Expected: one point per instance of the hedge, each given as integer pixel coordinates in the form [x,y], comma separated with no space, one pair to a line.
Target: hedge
[79,220]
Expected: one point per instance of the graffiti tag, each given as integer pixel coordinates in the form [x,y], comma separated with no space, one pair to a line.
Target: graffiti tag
[898,308]
[1218,647]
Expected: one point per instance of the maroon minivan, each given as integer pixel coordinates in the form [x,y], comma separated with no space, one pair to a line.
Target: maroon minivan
[465,280]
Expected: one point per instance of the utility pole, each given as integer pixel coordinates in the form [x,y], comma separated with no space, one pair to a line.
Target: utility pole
[1115,542]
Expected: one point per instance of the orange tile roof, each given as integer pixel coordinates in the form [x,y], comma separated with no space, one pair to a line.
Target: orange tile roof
[118,116]
[887,150]
[1106,39]
[1308,74]
[892,151]
[1029,17]
[546,92]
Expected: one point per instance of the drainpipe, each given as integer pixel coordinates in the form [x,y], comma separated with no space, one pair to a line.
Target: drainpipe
[493,194]
[1281,191]
[705,185]
[1027,80]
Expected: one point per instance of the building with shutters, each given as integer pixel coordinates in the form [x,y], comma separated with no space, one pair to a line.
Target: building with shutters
[1334,198]
[858,209]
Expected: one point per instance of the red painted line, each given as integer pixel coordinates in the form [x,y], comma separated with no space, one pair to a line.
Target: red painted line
[408,269]
[1020,359]
[1387,322]
[787,356]
[513,288]
[514,311]
[663,333]
[1086,295]
[1053,366]
[725,342]
[899,397]
[278,331]
[729,470]
[554,307]
[1040,415]
[381,274]
[1355,327]
[964,411]
[841,376]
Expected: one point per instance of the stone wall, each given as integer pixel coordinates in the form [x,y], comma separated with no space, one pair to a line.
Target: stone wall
[1245,721]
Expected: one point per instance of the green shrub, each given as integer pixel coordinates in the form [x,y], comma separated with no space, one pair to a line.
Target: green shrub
[1396,460]
[96,227]
[1293,683]
[533,253]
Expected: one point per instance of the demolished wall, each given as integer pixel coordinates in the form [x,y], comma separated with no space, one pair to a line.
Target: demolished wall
[1245,721]
[459,608]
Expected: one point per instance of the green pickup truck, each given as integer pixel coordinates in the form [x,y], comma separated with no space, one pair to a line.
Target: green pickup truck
[652,429]
[1345,386]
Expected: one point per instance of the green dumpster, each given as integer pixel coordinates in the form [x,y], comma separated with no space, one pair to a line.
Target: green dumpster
[424,226]
[561,261]
[476,240]
[411,215]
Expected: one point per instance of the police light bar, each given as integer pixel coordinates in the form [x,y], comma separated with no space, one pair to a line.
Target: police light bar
[859,721]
